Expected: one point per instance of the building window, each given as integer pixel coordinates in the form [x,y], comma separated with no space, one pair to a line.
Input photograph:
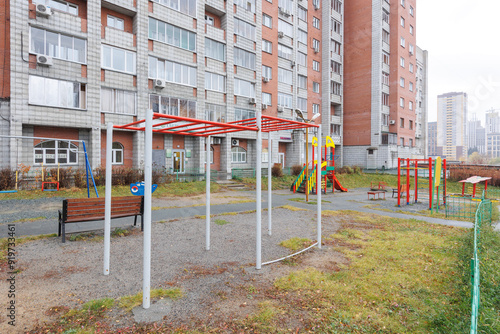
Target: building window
[184,6]
[410,86]
[57,45]
[403,42]
[411,67]
[401,141]
[53,152]
[316,22]
[267,72]
[115,22]
[172,106]
[61,6]
[216,50]
[266,99]
[267,21]
[246,4]
[315,108]
[244,88]
[389,139]
[336,88]
[402,82]
[117,154]
[285,28]
[215,82]
[402,62]
[335,47]
[267,46]
[411,11]
[410,105]
[284,100]
[385,58]
[172,72]
[302,37]
[411,142]
[411,29]
[243,29]
[116,59]
[302,81]
[402,22]
[244,58]
[301,59]
[285,5]
[316,4]
[385,37]
[411,48]
[238,154]
[336,27]
[285,76]
[335,67]
[385,119]
[315,45]
[335,130]
[209,20]
[241,114]
[402,123]
[56,93]
[411,124]
[284,51]
[118,101]
[265,155]
[166,33]
[337,6]
[215,112]
[385,16]
[385,78]
[385,99]
[302,104]
[316,65]
[316,87]
[302,13]
[401,102]
[403,3]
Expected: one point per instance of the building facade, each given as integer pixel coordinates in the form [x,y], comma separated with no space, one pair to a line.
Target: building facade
[452,125]
[380,84]
[432,149]
[476,136]
[493,133]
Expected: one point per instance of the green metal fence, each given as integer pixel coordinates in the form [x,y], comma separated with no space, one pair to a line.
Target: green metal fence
[461,207]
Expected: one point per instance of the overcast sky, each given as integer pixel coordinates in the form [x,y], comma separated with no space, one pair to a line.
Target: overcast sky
[463,41]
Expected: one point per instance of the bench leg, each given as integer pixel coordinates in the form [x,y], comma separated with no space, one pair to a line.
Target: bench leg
[63,232]
[142,223]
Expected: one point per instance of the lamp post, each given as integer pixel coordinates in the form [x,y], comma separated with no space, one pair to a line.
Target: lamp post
[301,115]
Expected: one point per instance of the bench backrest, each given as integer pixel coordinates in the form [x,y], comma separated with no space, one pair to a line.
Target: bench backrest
[81,209]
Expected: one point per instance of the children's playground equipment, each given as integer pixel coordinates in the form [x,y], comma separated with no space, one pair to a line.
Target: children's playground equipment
[436,171]
[72,148]
[308,184]
[474,180]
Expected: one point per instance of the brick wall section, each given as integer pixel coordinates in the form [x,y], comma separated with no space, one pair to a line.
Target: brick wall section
[4,50]
[127,20]
[124,138]
[178,142]
[53,132]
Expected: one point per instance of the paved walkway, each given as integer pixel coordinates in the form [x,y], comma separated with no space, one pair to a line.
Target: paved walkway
[355,200]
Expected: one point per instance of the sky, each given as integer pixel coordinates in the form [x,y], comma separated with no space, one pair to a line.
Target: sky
[463,43]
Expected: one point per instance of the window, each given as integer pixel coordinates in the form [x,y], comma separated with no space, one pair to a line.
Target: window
[401,122]
[118,101]
[337,6]
[401,102]
[316,4]
[411,11]
[411,67]
[403,3]
[267,72]
[184,6]
[335,130]
[385,58]
[410,105]
[117,154]
[316,87]
[116,59]
[410,86]
[336,47]
[244,88]
[316,22]
[402,22]
[285,76]
[267,99]
[301,59]
[172,72]
[284,100]
[285,28]
[172,106]
[389,139]
[240,114]
[238,154]
[385,99]
[115,22]
[167,33]
[246,4]
[267,21]
[411,124]
[335,67]
[315,108]
[385,36]
[209,20]
[336,88]
[285,5]
[244,58]
[302,37]
[267,46]
[302,81]
[410,142]
[56,93]
[385,16]
[53,152]
[215,112]
[57,45]
[402,62]
[336,27]
[403,42]
[385,78]
[302,13]
[315,45]
[385,120]
[243,29]
[411,48]
[61,6]
[215,82]
[402,82]
[284,51]
[316,65]
[217,50]
[411,29]
[302,104]
[265,155]
[401,141]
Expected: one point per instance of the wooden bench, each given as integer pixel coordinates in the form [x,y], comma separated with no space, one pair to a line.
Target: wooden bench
[376,194]
[402,190]
[380,186]
[77,210]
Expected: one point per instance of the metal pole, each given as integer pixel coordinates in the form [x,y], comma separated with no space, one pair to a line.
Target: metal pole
[399,182]
[107,197]
[207,194]
[408,181]
[318,186]
[269,183]
[258,261]
[148,163]
[307,164]
[430,184]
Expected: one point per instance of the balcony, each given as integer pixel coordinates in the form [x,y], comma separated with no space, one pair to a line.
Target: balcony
[335,77]
[215,33]
[386,26]
[386,68]
[118,38]
[334,119]
[220,5]
[335,99]
[386,47]
[336,15]
[128,4]
[386,5]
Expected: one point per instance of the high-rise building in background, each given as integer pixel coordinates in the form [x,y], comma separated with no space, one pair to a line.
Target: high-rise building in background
[476,136]
[421,103]
[493,133]
[452,125]
[432,149]
[380,83]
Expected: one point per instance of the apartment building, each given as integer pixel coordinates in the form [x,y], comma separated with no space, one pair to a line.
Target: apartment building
[493,133]
[452,125]
[380,109]
[73,66]
[476,136]
[432,149]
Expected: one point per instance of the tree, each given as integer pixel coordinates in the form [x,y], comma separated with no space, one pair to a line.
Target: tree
[478,159]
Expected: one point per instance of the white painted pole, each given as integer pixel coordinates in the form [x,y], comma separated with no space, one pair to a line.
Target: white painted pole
[318,185]
[269,184]
[207,193]
[107,197]
[148,163]
[258,262]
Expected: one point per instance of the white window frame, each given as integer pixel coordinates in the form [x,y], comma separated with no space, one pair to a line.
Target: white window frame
[402,62]
[267,46]
[215,82]
[403,42]
[43,91]
[267,99]
[114,153]
[267,72]
[129,60]
[188,7]
[172,72]
[316,87]
[285,76]
[267,19]
[167,33]
[244,88]
[316,66]
[117,100]
[41,152]
[315,108]
[244,58]
[316,22]
[115,22]
[402,102]
[49,51]
[212,50]
[285,100]
[238,155]
[282,54]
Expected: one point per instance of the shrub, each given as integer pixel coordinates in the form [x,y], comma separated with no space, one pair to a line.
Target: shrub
[296,169]
[277,171]
[7,179]
[80,178]
[65,175]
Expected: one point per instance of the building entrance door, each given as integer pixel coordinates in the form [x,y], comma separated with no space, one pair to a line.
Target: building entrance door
[178,161]
[281,159]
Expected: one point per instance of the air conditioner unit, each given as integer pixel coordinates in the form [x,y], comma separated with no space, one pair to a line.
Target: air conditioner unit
[43,10]
[235,142]
[316,5]
[281,108]
[392,122]
[265,79]
[281,34]
[159,83]
[292,63]
[44,60]
[286,13]
[264,106]
[316,50]
[216,141]
[251,100]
